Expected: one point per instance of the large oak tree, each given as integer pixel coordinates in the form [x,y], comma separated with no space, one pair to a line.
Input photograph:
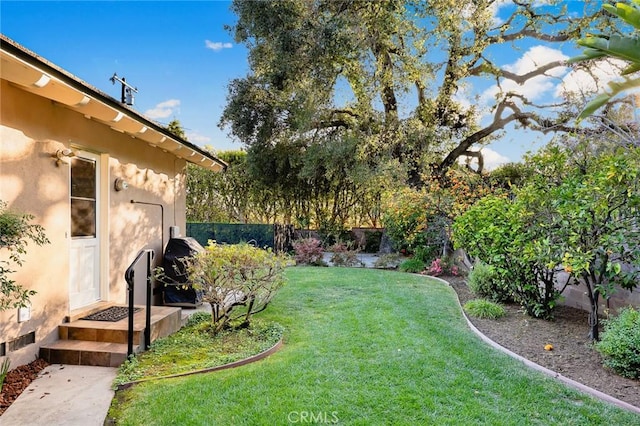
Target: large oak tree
[388,73]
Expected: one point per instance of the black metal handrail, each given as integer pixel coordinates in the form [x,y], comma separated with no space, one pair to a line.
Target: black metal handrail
[129,277]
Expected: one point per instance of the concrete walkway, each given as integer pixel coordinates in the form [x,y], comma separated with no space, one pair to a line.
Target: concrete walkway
[64,395]
[367,259]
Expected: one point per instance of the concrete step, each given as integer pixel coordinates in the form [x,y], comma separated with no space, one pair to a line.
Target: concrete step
[100,332]
[81,352]
[103,343]
[76,314]
[164,321]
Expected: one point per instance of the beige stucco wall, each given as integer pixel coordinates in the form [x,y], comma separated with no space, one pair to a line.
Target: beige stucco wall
[31,130]
[576,296]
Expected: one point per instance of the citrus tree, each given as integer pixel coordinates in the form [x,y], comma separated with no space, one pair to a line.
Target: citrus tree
[598,210]
[577,213]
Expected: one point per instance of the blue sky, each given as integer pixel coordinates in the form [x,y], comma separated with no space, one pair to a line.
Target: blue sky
[160,47]
[179,56]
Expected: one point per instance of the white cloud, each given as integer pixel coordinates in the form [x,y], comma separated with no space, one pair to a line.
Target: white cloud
[536,87]
[535,57]
[217,46]
[468,9]
[463,97]
[163,109]
[495,10]
[492,159]
[498,4]
[197,138]
[580,81]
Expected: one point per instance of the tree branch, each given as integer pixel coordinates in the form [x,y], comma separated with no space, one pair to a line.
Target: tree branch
[498,123]
[526,119]
[527,32]
[521,79]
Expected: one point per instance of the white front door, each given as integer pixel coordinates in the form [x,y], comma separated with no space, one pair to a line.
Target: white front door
[84,280]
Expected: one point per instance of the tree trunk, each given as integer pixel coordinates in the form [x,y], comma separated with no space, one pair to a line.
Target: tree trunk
[594,296]
[283,236]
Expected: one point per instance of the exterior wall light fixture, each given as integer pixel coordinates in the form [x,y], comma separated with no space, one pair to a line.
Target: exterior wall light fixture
[62,154]
[120,184]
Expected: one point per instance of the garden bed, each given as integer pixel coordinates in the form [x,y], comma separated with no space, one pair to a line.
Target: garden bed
[572,355]
[18,380]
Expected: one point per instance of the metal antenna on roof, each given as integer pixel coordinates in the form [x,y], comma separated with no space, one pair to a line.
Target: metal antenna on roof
[127,89]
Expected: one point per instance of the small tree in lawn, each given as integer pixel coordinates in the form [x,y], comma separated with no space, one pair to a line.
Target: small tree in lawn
[237,280]
[16,230]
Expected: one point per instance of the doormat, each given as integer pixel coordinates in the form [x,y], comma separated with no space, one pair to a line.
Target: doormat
[112,314]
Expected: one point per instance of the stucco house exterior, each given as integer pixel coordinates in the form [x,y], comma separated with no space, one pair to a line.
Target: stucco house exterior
[103,180]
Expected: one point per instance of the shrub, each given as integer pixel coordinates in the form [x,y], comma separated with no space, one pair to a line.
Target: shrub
[443,266]
[513,239]
[16,230]
[422,218]
[413,265]
[426,253]
[482,308]
[237,280]
[620,344]
[4,370]
[488,231]
[388,261]
[404,218]
[485,282]
[344,255]
[308,251]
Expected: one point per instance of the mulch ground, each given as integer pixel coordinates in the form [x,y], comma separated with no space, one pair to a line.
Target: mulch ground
[18,380]
[572,354]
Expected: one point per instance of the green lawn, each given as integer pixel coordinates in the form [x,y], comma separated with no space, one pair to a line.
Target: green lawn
[367,347]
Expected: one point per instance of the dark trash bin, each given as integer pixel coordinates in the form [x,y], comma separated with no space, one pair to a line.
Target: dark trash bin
[174,269]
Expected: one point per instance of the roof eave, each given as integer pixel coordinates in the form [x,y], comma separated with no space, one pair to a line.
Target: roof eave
[34,74]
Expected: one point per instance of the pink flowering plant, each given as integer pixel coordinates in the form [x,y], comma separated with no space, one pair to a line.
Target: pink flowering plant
[308,251]
[441,266]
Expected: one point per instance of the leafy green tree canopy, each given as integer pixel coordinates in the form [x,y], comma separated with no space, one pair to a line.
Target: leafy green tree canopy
[175,127]
[388,74]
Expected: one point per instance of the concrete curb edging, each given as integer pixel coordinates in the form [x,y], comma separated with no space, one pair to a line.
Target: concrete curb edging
[234,364]
[567,381]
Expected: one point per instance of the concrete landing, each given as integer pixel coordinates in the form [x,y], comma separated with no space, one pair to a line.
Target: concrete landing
[64,395]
